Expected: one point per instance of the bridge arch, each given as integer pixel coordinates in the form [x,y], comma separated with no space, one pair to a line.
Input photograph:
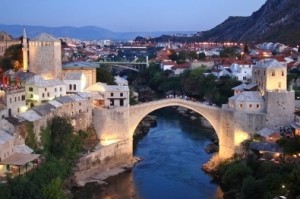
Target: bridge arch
[138,112]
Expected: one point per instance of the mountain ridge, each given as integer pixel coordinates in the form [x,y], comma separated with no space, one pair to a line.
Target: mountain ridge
[275,21]
[84,33]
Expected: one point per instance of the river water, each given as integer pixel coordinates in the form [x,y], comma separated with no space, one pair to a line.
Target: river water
[173,154]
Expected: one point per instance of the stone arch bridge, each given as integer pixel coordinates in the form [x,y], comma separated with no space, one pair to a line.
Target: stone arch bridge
[231,127]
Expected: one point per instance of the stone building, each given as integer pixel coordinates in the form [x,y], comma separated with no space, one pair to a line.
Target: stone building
[113,95]
[76,107]
[75,82]
[39,90]
[14,101]
[6,41]
[87,68]
[45,56]
[267,95]
[247,101]
[270,75]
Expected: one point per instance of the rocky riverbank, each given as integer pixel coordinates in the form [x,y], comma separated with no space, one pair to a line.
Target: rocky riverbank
[103,175]
[143,128]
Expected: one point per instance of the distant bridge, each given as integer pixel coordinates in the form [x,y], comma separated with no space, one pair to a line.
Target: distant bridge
[135,66]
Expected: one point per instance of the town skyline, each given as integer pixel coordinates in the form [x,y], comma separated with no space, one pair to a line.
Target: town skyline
[129,16]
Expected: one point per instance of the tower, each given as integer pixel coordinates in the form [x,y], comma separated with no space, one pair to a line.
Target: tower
[45,56]
[25,51]
[271,79]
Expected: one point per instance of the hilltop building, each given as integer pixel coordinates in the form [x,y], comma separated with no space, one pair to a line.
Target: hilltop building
[6,41]
[267,94]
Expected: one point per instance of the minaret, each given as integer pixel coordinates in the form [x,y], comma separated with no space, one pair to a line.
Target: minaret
[25,51]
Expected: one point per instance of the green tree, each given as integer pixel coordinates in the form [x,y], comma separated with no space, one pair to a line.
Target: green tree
[234,175]
[30,137]
[202,56]
[13,58]
[290,145]
[105,76]
[61,137]
[252,188]
[53,190]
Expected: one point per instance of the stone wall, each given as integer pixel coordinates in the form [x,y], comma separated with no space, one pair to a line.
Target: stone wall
[111,123]
[103,159]
[280,108]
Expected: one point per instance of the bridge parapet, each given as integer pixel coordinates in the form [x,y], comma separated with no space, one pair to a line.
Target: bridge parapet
[174,100]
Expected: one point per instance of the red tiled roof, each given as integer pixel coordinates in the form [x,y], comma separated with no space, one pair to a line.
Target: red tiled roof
[182,66]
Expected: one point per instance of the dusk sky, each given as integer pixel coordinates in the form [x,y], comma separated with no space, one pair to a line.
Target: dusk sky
[126,15]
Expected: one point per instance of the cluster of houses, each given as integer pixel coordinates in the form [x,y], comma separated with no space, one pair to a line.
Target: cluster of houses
[43,89]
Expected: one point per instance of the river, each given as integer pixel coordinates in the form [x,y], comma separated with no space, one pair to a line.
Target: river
[173,154]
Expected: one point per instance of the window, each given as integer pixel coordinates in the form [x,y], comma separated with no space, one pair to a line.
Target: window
[121,102]
[74,87]
[282,73]
[241,106]
[257,105]
[273,73]
[79,103]
[43,94]
[30,89]
[19,98]
[48,94]
[31,95]
[45,89]
[70,87]
[250,105]
[15,99]
[121,94]
[112,102]
[111,94]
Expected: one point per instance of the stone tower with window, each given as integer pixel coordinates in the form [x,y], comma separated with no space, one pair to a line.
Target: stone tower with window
[45,56]
[271,79]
